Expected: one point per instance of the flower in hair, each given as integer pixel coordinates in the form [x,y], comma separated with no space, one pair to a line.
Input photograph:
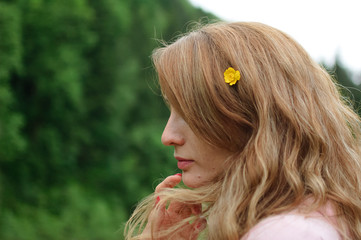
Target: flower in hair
[231,76]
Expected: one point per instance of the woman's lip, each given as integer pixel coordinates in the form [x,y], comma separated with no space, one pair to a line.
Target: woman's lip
[183,163]
[182,159]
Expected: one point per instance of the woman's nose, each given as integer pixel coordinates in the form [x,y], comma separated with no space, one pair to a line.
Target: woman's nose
[172,133]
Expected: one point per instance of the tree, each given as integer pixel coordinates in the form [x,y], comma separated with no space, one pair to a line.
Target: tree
[80,113]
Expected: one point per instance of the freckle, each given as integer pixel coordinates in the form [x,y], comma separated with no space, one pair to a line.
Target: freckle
[199,177]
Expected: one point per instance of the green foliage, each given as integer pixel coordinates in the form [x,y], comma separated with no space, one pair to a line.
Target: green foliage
[80,216]
[11,141]
[350,91]
[80,113]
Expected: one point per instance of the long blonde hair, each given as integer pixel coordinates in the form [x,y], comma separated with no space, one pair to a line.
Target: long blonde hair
[292,134]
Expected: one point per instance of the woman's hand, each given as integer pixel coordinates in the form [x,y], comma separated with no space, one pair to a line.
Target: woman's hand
[176,211]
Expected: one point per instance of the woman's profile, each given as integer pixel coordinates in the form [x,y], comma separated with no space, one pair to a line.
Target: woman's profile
[268,147]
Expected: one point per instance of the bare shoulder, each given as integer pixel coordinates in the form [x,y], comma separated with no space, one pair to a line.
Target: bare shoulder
[293,226]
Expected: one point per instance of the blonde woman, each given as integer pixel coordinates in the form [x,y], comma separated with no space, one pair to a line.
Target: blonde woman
[268,147]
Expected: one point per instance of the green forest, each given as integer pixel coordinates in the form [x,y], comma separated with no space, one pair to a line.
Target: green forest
[81,114]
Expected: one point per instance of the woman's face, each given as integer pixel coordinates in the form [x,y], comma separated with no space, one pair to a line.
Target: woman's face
[199,161]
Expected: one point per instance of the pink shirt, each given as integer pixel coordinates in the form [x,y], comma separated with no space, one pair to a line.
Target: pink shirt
[295,226]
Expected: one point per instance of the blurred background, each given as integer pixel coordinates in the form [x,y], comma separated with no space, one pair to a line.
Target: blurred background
[81,114]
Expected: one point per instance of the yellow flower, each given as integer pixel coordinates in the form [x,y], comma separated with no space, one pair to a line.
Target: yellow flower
[231,76]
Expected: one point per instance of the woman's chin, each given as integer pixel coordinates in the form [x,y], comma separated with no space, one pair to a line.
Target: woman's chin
[193,181]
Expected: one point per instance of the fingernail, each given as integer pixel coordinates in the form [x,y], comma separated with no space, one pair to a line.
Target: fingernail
[178,174]
[157,200]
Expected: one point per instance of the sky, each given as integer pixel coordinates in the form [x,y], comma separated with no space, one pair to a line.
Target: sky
[325,28]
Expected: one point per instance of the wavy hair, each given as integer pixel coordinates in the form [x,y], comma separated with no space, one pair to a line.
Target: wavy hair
[293,135]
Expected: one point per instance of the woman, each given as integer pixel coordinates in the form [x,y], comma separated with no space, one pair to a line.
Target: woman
[268,147]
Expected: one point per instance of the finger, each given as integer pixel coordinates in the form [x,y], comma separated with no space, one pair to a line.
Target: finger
[184,209]
[156,217]
[191,231]
[159,208]
[196,209]
[179,210]
[200,224]
[198,227]
[169,182]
